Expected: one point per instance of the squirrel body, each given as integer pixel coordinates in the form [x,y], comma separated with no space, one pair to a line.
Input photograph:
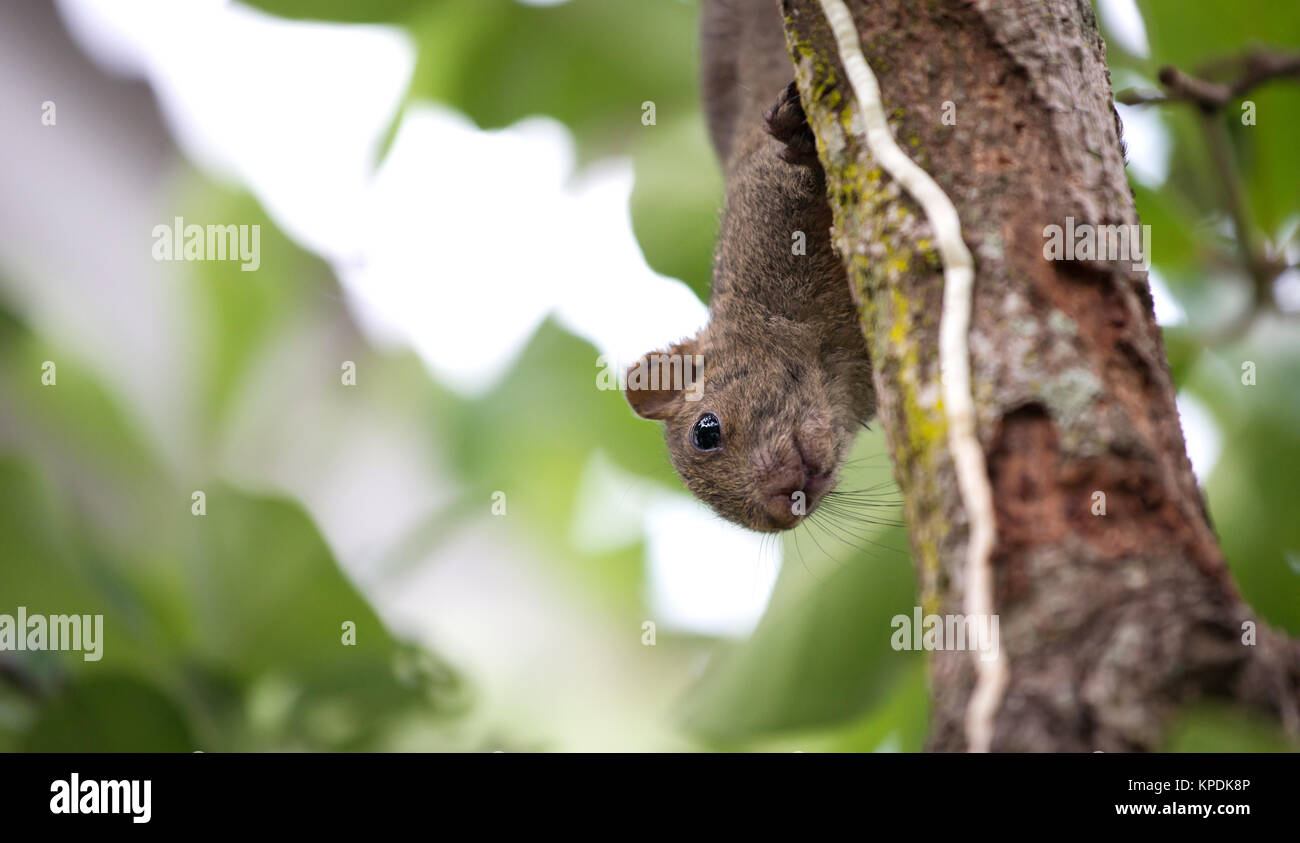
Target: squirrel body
[773,390]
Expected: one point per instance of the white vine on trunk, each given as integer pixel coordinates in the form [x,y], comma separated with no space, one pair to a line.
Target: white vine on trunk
[959,405]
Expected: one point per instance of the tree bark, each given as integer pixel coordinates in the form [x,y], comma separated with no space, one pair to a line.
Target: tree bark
[1108,621]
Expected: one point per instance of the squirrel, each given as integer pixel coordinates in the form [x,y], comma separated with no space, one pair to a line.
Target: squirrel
[764,403]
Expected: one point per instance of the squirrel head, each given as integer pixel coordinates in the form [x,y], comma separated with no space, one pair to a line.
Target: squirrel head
[757,426]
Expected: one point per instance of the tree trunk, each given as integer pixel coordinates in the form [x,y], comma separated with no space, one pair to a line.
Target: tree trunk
[1108,621]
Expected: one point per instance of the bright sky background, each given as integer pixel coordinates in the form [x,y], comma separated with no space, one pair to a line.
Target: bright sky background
[431,259]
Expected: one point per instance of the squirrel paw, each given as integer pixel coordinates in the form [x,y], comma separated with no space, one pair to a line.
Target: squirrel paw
[787,123]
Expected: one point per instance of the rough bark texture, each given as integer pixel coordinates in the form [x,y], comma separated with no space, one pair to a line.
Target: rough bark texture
[1109,622]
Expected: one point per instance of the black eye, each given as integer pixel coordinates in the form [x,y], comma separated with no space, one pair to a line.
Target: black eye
[706,434]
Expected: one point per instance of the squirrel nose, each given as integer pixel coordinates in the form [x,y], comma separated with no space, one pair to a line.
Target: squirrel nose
[780,488]
[792,487]
[815,478]
[782,511]
[788,479]
[809,483]
[785,488]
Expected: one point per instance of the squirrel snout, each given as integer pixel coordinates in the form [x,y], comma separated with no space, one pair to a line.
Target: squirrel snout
[792,490]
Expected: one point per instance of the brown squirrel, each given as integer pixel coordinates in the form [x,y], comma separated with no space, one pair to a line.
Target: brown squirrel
[770,395]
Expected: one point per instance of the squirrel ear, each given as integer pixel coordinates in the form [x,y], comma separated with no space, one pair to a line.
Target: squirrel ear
[660,379]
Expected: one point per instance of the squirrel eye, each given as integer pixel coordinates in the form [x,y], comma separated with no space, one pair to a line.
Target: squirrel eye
[706,434]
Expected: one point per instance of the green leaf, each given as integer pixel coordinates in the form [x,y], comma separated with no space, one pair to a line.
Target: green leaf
[111,713]
[823,660]
[216,609]
[1216,28]
[1266,150]
[821,655]
[1214,727]
[1252,491]
[239,314]
[344,11]
[676,201]
[589,63]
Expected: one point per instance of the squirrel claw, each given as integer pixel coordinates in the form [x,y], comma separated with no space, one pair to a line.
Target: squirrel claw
[787,123]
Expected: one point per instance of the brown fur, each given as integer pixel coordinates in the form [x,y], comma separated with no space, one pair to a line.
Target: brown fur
[785,366]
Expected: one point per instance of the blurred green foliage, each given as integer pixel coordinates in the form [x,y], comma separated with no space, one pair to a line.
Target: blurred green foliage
[224,630]
[202,616]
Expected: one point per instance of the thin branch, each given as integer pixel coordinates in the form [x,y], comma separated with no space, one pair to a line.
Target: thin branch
[1263,270]
[1252,70]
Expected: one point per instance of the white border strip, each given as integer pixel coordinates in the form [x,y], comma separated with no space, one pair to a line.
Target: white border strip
[954,362]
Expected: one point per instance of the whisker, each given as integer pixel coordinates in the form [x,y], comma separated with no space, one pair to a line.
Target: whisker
[819,546]
[795,534]
[867,458]
[876,487]
[812,520]
[861,504]
[845,529]
[864,514]
[865,501]
[859,515]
